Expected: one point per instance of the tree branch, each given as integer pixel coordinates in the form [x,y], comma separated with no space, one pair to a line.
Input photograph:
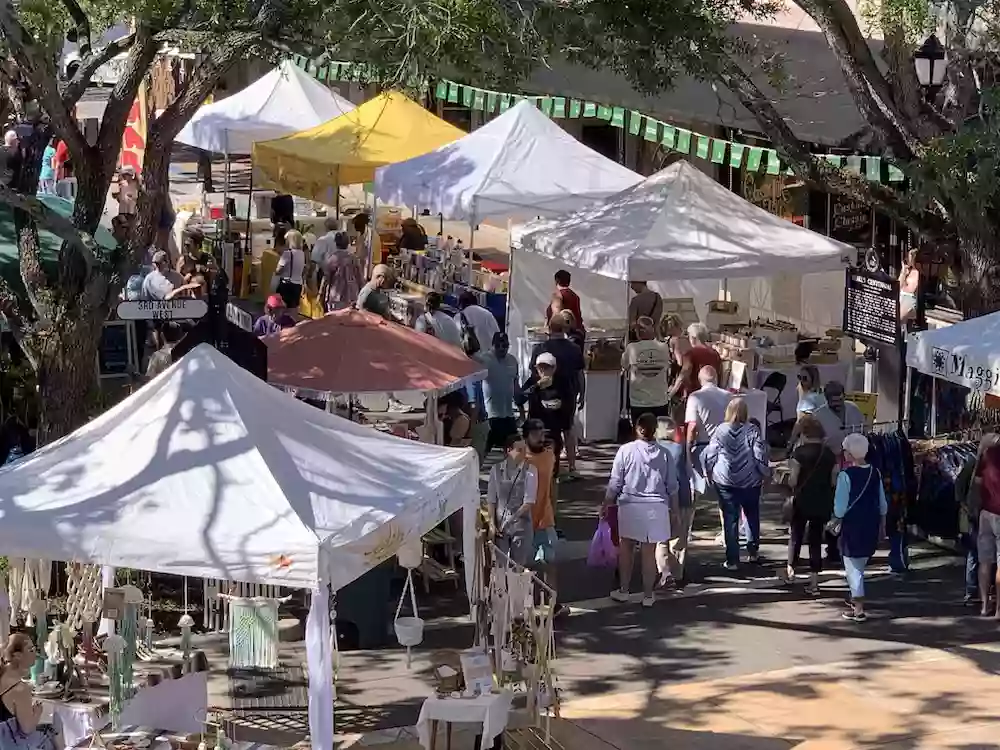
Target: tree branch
[870,89]
[115,117]
[81,25]
[37,69]
[89,65]
[50,220]
[818,172]
[226,52]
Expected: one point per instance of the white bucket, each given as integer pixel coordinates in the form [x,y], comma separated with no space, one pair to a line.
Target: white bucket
[409,631]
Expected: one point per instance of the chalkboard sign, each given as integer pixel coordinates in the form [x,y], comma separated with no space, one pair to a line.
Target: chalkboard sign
[871,307]
[850,221]
[116,351]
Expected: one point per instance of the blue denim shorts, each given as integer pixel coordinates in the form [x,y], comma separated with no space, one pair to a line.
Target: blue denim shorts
[545,545]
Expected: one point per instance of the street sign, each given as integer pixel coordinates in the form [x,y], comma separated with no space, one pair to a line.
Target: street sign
[171,309]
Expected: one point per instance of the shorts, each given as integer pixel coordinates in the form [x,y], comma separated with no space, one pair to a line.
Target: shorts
[545,545]
[988,542]
[644,522]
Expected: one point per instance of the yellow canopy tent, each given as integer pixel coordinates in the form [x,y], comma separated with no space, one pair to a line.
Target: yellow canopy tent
[348,149]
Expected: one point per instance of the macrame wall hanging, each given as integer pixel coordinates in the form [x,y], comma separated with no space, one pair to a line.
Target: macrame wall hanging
[130,632]
[185,624]
[114,649]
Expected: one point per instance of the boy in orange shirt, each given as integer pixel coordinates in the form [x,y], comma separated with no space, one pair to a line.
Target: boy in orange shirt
[543,458]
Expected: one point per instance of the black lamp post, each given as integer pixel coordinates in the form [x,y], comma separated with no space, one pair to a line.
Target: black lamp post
[931,63]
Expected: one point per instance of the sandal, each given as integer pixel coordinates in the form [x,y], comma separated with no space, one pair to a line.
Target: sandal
[812,590]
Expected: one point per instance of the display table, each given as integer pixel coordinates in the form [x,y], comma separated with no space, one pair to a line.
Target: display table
[492,711]
[789,396]
[177,704]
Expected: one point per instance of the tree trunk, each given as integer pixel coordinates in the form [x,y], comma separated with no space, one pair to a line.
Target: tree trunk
[68,384]
[154,187]
[980,254]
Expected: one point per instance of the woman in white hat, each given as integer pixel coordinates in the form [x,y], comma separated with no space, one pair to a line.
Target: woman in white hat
[859,508]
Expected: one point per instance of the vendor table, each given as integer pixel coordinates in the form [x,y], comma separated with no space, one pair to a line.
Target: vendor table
[159,739]
[492,711]
[177,704]
[789,396]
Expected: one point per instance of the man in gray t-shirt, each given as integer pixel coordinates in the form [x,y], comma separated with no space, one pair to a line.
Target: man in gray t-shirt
[839,417]
[372,297]
[162,280]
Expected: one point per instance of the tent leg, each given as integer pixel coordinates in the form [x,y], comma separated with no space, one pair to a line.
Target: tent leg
[906,400]
[248,250]
[225,201]
[933,407]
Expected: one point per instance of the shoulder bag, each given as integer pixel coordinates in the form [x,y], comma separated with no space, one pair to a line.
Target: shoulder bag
[835,524]
[470,342]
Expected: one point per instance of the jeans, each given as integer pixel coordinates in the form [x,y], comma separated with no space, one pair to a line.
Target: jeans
[899,553]
[731,501]
[854,567]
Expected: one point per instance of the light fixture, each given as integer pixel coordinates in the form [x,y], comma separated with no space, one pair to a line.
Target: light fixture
[931,62]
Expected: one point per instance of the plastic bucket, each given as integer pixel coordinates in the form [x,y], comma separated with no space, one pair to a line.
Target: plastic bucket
[409,630]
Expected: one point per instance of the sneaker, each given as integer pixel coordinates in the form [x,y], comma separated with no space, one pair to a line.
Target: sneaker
[398,407]
[812,590]
[621,596]
[667,582]
[972,600]
[753,558]
[853,616]
[648,601]
[730,566]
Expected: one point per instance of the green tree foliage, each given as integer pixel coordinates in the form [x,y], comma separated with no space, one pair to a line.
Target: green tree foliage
[59,323]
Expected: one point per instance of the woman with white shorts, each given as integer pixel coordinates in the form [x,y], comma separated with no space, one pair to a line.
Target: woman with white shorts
[643,485]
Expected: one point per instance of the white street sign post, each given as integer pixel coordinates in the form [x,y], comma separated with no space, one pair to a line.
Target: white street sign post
[172,309]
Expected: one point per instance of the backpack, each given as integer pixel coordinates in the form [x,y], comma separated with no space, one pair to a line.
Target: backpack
[429,327]
[470,342]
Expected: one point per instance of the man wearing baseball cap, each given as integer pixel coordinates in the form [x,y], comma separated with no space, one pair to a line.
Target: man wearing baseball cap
[162,280]
[549,399]
[274,318]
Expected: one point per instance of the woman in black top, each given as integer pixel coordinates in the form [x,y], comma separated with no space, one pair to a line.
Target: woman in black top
[19,712]
[814,477]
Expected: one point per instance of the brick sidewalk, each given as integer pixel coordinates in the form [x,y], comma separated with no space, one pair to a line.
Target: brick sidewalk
[923,700]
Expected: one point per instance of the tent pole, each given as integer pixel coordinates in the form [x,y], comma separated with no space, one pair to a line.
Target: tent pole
[906,399]
[933,407]
[248,251]
[225,202]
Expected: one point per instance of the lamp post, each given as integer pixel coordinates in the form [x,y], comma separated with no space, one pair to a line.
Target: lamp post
[931,63]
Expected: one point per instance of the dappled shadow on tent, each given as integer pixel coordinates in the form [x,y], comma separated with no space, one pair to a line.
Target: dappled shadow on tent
[71,525]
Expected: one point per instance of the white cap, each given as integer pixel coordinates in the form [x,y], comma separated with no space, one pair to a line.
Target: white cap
[545,358]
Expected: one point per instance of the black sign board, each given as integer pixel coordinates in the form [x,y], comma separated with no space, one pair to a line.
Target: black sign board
[245,349]
[871,307]
[114,353]
[851,221]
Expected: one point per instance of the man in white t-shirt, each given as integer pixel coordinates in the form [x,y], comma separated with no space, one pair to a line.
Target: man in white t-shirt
[479,318]
[706,410]
[438,324]
[646,362]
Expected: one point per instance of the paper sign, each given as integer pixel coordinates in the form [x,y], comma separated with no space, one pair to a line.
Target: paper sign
[867,403]
[737,374]
[477,671]
[114,604]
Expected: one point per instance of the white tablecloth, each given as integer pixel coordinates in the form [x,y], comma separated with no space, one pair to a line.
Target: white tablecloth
[790,396]
[173,705]
[492,711]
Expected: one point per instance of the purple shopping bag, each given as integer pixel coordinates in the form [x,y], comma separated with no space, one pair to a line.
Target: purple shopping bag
[603,553]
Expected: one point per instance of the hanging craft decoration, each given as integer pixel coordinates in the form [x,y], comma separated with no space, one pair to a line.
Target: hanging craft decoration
[185,624]
[253,631]
[409,630]
[130,632]
[39,612]
[114,649]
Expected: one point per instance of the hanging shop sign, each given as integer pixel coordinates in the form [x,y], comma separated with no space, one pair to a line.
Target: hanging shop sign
[966,369]
[871,307]
[154,309]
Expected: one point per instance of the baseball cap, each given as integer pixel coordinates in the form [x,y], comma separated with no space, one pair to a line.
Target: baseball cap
[545,358]
[275,300]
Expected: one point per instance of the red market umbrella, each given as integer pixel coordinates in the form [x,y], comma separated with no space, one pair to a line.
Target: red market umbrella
[352,351]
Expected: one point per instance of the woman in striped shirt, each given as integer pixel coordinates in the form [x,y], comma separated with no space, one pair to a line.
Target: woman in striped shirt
[736,465]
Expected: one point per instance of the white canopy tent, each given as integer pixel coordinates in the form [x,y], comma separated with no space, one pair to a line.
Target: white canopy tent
[208,471]
[966,353]
[679,229]
[284,101]
[518,166]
